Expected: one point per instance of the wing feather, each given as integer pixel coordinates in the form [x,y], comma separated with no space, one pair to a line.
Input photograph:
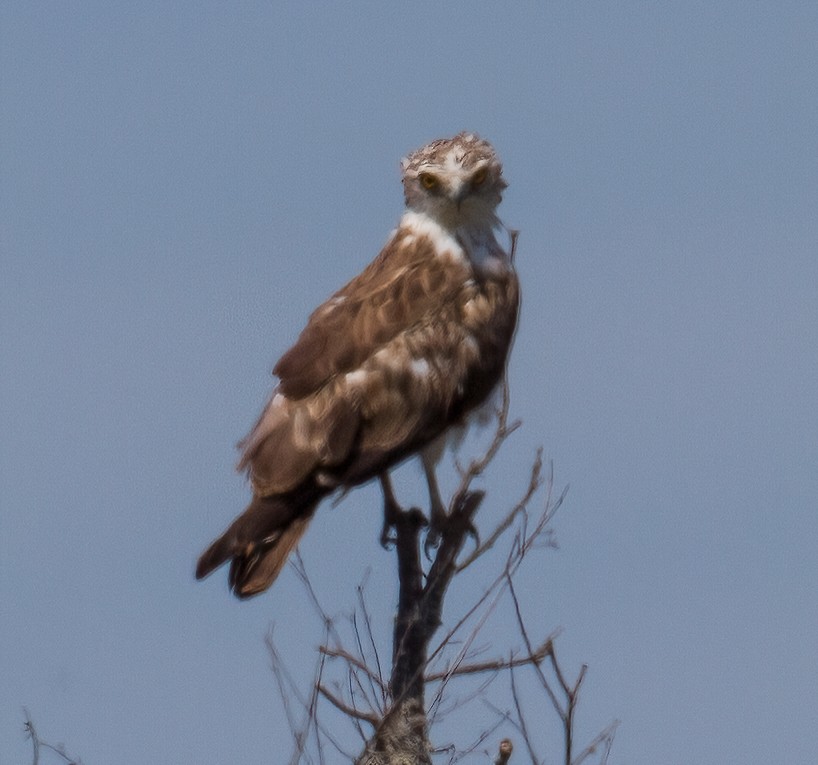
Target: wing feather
[397,290]
[384,366]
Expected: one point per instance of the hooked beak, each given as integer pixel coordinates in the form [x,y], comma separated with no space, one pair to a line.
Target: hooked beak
[459,193]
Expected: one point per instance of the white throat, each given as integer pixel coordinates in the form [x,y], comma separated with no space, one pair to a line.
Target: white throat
[471,240]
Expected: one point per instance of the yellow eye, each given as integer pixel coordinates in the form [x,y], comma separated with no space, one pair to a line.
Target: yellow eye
[428,181]
[479,177]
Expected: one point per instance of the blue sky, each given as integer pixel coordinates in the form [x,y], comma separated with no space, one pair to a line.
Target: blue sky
[182,183]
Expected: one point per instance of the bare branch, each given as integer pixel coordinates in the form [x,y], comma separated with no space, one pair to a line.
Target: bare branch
[288,691]
[604,739]
[543,680]
[35,739]
[301,572]
[522,545]
[571,692]
[37,742]
[286,688]
[395,709]
[372,719]
[340,653]
[371,638]
[458,754]
[534,484]
[498,664]
[501,432]
[521,724]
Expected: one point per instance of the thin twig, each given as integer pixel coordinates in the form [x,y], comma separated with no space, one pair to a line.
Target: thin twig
[468,642]
[501,432]
[521,720]
[459,754]
[357,714]
[515,557]
[288,691]
[371,637]
[37,742]
[312,711]
[603,738]
[35,739]
[496,665]
[340,653]
[534,483]
[543,680]
[394,708]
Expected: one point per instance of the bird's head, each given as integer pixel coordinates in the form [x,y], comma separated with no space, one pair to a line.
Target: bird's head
[457,181]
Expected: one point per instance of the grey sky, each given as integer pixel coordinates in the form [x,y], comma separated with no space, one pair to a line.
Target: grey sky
[182,183]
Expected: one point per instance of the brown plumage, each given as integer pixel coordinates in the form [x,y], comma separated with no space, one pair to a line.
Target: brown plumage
[404,351]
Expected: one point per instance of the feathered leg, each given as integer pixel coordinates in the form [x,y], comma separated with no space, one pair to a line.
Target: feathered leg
[438,513]
[437,509]
[391,509]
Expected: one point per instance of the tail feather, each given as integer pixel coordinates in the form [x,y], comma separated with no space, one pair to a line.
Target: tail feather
[259,542]
[254,571]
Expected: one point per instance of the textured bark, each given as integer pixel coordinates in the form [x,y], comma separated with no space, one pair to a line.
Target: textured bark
[401,737]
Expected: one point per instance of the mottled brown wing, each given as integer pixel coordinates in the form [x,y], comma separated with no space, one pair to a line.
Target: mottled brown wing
[430,376]
[396,291]
[399,354]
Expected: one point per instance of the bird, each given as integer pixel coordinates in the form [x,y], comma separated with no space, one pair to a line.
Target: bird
[387,368]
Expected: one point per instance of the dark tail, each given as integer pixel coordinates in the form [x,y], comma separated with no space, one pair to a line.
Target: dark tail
[259,542]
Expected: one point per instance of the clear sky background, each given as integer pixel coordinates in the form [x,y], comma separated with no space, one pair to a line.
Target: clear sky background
[183,182]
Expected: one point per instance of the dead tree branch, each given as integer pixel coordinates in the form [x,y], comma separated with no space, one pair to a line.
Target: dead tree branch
[37,743]
[394,706]
[494,666]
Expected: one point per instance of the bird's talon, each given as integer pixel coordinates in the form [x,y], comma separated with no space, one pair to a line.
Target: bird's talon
[474,534]
[432,542]
[387,539]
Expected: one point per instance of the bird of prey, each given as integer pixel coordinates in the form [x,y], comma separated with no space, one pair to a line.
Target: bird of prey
[387,367]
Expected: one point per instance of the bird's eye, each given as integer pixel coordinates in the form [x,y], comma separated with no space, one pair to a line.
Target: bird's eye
[479,177]
[428,181]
